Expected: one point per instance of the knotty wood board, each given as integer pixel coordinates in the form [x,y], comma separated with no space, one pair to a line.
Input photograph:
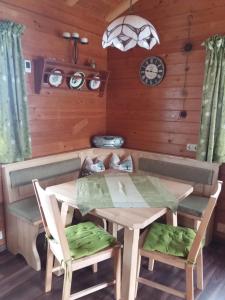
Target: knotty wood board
[148,117]
[60,120]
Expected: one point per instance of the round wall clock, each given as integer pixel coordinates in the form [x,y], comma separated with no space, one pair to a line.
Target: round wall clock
[152,70]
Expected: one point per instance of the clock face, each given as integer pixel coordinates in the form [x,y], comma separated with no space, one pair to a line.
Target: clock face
[152,71]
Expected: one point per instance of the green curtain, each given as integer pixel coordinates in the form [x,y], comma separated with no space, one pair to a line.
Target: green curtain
[14,134]
[211,145]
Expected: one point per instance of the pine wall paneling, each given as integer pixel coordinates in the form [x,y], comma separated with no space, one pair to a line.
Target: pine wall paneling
[59,120]
[148,117]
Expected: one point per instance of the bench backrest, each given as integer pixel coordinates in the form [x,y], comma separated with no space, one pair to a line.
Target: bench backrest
[202,176]
[59,168]
[49,170]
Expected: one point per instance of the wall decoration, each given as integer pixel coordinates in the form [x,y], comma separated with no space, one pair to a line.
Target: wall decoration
[77,80]
[152,71]
[94,83]
[56,77]
[51,73]
[75,38]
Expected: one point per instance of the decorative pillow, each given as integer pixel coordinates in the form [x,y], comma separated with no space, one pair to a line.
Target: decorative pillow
[125,165]
[164,238]
[90,167]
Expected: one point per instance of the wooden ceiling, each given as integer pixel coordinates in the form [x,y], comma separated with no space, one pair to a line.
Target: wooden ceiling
[105,10]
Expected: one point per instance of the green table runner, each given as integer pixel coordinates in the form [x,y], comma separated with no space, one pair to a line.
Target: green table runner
[122,190]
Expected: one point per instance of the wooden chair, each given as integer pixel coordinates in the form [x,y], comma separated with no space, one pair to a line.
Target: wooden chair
[192,261]
[58,247]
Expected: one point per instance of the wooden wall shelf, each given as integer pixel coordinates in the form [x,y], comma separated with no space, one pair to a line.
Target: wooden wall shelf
[43,68]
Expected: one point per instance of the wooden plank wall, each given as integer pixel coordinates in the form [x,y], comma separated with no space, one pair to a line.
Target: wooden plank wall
[148,117]
[59,120]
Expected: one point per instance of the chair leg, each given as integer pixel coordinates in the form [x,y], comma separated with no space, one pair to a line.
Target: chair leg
[138,272]
[112,229]
[67,282]
[48,275]
[117,272]
[200,270]
[189,282]
[95,268]
[151,264]
[196,224]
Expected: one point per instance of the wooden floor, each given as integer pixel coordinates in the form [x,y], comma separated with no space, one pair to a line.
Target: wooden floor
[20,282]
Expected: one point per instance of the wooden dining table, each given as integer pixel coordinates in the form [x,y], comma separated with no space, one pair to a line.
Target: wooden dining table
[132,219]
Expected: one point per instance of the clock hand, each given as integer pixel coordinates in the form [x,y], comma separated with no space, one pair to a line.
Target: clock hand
[148,71]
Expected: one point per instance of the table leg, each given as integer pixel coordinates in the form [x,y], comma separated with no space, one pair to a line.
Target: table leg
[130,257]
[171,217]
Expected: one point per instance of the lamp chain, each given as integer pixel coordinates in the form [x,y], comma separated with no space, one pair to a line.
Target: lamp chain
[130,8]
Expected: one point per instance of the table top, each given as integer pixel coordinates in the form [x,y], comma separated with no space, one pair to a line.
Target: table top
[135,218]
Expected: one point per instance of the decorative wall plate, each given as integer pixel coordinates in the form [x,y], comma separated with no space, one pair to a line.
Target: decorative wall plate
[56,77]
[76,80]
[94,83]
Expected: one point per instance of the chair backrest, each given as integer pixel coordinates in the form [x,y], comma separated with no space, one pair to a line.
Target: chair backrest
[52,221]
[203,226]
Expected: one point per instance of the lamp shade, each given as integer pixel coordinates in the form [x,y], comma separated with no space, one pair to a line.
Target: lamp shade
[128,31]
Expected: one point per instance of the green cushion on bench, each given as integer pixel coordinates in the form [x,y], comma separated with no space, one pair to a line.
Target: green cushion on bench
[25,176]
[27,209]
[86,239]
[176,170]
[167,239]
[193,205]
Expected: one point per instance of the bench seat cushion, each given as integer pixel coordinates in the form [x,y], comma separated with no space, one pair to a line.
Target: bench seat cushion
[26,209]
[193,205]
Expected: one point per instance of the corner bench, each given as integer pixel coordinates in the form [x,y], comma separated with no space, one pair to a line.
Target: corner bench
[23,220]
[203,176]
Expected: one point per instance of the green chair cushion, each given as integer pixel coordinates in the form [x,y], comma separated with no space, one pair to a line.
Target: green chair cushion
[193,205]
[86,239]
[26,209]
[167,239]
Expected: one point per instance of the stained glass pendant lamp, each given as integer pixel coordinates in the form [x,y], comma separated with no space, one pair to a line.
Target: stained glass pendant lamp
[128,31]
